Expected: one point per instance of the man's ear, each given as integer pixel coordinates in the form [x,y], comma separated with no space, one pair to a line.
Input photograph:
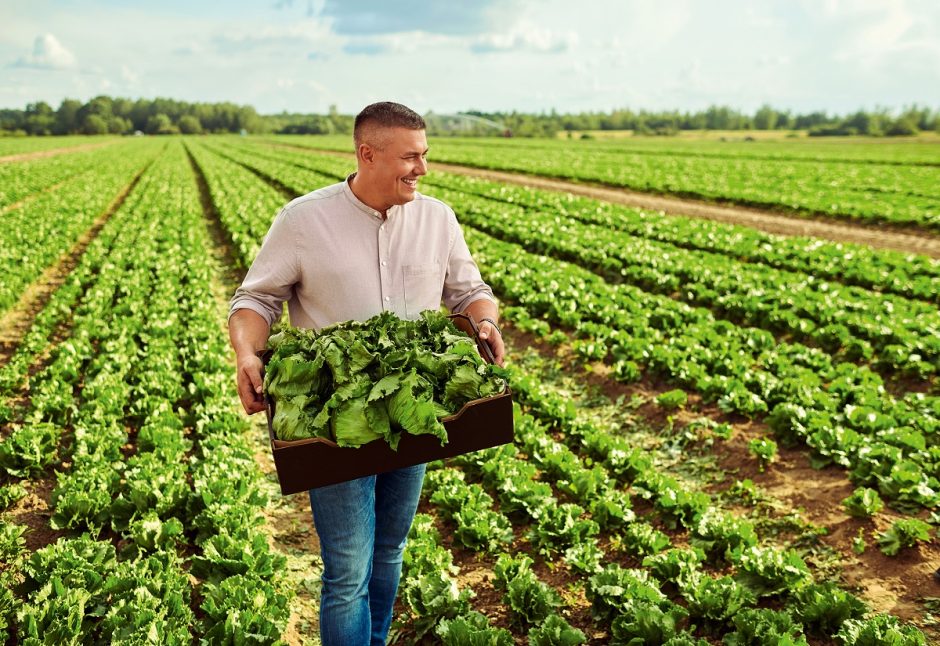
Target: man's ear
[366,153]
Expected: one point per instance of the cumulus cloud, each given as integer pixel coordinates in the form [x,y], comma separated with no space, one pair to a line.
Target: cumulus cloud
[525,38]
[48,54]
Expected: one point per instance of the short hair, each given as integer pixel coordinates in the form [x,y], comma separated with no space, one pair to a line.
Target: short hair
[386,114]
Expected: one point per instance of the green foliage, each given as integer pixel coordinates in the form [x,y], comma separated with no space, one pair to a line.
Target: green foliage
[529,599]
[472,629]
[561,527]
[768,570]
[585,557]
[764,449]
[823,608]
[12,543]
[716,600]
[615,590]
[433,596]
[880,630]
[863,503]
[29,449]
[224,556]
[243,609]
[673,399]
[763,626]
[358,381]
[10,494]
[680,566]
[555,631]
[904,532]
[642,539]
[647,622]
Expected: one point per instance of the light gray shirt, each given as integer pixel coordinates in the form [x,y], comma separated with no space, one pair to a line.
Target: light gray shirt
[334,259]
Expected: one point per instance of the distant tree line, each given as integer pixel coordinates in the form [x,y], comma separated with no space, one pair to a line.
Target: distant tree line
[877,122]
[106,115]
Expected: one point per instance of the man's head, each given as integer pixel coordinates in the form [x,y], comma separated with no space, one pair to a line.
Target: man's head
[391,147]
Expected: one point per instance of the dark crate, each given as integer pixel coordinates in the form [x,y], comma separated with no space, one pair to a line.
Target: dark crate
[317,462]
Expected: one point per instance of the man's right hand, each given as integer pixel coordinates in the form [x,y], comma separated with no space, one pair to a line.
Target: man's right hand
[249,383]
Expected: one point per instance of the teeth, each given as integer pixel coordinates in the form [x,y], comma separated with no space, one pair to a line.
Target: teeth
[410,182]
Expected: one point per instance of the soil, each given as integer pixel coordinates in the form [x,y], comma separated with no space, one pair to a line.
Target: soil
[55,152]
[884,236]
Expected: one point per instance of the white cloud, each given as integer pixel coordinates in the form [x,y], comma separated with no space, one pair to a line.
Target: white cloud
[49,54]
[525,37]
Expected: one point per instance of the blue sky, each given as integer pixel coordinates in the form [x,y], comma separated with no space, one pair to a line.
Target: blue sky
[306,55]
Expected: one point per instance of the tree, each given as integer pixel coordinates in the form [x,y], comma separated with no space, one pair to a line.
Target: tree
[765,118]
[95,125]
[160,124]
[66,117]
[189,125]
[40,119]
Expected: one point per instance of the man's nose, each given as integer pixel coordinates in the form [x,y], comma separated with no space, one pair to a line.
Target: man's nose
[422,167]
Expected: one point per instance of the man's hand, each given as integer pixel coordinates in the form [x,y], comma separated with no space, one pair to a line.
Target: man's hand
[249,383]
[248,332]
[494,339]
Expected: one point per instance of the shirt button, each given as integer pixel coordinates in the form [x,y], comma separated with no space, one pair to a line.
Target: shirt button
[388,298]
[384,263]
[382,228]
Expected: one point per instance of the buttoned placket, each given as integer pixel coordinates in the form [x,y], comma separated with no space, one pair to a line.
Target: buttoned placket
[384,277]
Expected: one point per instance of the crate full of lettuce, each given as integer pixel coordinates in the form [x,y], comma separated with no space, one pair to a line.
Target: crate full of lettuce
[353,384]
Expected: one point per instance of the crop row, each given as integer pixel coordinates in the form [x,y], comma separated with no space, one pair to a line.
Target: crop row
[19,180]
[887,271]
[40,231]
[841,410]
[872,151]
[908,275]
[848,322]
[146,351]
[715,582]
[897,193]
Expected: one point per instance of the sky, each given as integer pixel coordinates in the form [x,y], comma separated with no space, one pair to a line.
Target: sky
[449,56]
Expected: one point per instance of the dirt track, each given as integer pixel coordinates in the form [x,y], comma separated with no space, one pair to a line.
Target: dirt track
[874,236]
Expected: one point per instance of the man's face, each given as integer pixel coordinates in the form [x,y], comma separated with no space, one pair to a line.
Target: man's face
[399,160]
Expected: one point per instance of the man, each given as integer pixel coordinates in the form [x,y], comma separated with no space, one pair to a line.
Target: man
[347,252]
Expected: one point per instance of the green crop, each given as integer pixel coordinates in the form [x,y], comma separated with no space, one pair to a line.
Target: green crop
[360,381]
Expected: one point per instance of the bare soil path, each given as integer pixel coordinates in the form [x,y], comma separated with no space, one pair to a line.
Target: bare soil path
[39,154]
[905,240]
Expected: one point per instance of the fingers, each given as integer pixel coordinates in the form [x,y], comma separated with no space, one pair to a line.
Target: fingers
[495,340]
[250,387]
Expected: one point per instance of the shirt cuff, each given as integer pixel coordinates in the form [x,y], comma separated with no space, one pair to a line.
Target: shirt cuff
[263,311]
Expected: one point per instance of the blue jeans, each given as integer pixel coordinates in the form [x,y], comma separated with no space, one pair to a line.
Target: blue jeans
[363,525]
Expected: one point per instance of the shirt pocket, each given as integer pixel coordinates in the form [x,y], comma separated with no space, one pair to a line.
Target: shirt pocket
[424,287]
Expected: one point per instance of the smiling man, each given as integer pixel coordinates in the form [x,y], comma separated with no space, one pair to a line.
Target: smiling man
[349,251]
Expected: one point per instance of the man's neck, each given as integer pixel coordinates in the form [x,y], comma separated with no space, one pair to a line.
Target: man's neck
[363,197]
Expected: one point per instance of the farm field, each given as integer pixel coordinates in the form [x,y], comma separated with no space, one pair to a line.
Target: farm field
[872,181]
[722,436]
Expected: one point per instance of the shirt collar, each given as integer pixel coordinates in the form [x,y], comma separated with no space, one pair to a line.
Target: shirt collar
[359,204]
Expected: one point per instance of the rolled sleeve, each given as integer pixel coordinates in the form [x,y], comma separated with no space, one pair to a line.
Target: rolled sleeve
[462,283]
[273,273]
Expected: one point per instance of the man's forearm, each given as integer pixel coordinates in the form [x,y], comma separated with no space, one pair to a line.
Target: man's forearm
[483,309]
[248,332]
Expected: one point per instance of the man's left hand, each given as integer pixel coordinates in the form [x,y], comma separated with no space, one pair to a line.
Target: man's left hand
[494,339]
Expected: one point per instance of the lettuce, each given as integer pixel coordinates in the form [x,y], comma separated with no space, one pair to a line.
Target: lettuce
[360,381]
